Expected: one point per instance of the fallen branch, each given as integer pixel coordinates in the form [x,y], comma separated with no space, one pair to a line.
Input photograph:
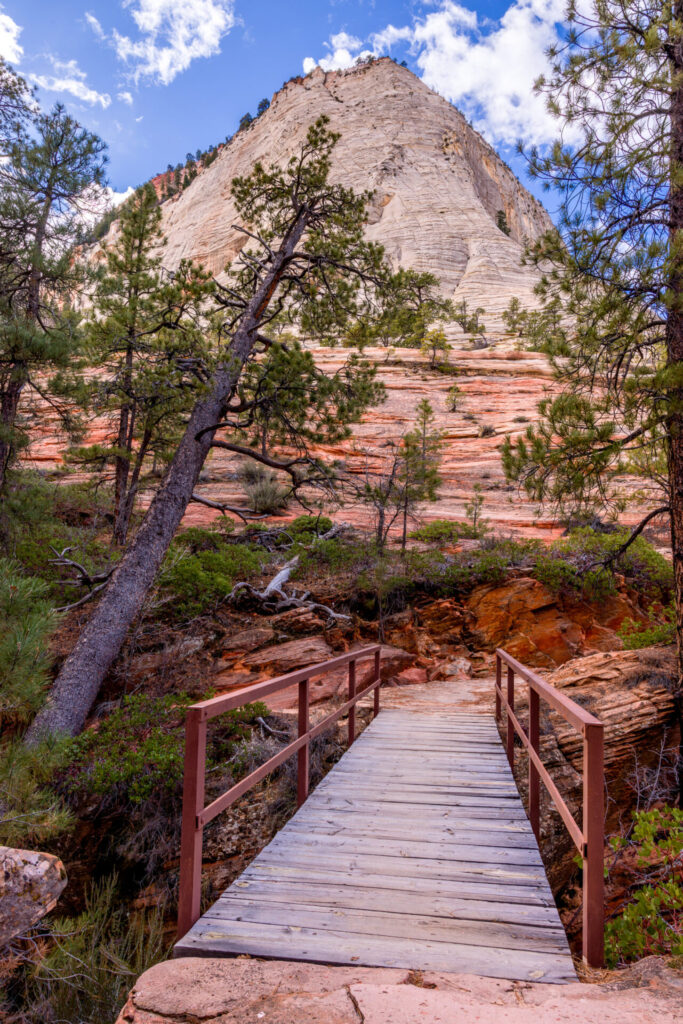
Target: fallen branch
[284,601]
[94,582]
[245,514]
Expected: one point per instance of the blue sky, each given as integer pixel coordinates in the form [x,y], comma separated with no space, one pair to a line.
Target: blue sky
[159,78]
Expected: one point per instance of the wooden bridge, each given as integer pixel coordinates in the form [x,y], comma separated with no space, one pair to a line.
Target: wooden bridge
[414,851]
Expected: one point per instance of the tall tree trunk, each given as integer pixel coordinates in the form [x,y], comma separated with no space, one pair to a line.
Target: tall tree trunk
[674,339]
[125,507]
[83,672]
[9,405]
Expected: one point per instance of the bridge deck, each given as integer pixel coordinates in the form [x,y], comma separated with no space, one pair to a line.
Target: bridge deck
[414,852]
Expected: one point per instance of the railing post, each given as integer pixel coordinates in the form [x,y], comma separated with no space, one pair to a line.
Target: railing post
[352,709]
[190,886]
[499,681]
[534,777]
[510,745]
[304,754]
[594,846]
[377,688]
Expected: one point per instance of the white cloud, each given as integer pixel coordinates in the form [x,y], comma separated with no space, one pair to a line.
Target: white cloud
[489,71]
[487,68]
[138,119]
[344,51]
[97,200]
[94,25]
[10,47]
[69,78]
[172,33]
[125,97]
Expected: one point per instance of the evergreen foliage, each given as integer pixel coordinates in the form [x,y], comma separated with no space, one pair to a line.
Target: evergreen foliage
[45,178]
[28,620]
[614,270]
[147,338]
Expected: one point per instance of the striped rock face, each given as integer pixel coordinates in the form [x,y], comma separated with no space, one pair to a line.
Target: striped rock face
[438,186]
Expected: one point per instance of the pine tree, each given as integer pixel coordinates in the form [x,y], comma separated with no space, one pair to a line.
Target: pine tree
[145,338]
[307,262]
[421,457]
[617,86]
[436,346]
[43,182]
[262,107]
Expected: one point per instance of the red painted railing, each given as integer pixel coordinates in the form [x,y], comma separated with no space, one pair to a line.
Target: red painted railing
[590,838]
[196,815]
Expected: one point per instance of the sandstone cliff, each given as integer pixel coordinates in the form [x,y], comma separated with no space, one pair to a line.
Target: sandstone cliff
[438,185]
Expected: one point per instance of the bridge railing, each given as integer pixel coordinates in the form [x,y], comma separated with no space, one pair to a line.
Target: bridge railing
[196,815]
[589,838]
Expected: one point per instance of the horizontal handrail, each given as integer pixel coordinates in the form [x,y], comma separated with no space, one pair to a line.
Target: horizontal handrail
[589,837]
[196,816]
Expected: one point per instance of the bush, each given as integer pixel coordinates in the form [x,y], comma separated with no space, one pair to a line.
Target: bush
[41,515]
[487,430]
[27,620]
[652,922]
[336,554]
[660,629]
[91,961]
[31,813]
[264,492]
[576,564]
[441,531]
[137,751]
[202,580]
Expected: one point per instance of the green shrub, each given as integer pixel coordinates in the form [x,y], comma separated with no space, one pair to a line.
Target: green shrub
[263,489]
[306,528]
[440,531]
[85,966]
[27,620]
[660,629]
[652,922]
[31,812]
[137,750]
[199,538]
[580,563]
[336,554]
[202,580]
[41,515]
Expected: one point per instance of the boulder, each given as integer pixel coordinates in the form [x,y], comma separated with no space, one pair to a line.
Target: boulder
[544,629]
[249,991]
[30,885]
[282,658]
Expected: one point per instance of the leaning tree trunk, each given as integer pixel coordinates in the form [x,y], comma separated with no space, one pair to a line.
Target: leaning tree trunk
[83,672]
[674,339]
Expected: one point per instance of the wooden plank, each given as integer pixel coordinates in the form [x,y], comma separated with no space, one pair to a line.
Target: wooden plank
[377,864]
[434,836]
[457,888]
[389,900]
[418,926]
[472,808]
[483,805]
[412,848]
[336,947]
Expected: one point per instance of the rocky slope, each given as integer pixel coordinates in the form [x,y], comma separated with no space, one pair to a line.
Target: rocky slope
[438,186]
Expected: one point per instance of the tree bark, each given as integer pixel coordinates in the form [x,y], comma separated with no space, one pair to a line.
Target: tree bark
[9,405]
[83,672]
